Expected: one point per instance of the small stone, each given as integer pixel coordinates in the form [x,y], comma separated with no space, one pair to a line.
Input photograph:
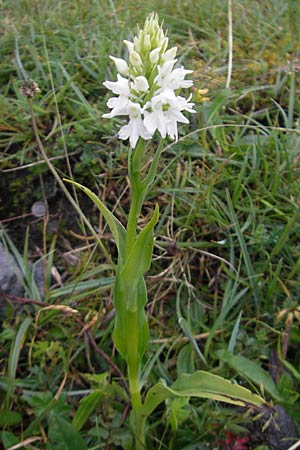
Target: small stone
[39,209]
[11,276]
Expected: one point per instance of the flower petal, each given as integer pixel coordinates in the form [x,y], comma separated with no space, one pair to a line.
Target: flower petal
[120,87]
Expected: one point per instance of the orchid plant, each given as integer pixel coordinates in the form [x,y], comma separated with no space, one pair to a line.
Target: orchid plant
[147,95]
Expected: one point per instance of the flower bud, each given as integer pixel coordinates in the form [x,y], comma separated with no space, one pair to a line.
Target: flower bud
[169,54]
[146,47]
[135,59]
[129,45]
[121,65]
[141,84]
[138,41]
[164,44]
[154,55]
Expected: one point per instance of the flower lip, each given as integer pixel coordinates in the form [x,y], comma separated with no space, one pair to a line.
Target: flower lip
[134,110]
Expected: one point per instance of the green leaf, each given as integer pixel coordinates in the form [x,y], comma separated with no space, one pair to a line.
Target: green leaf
[291,369]
[63,436]
[204,385]
[139,259]
[185,360]
[248,263]
[14,355]
[44,404]
[86,407]
[116,228]
[189,334]
[186,328]
[234,334]
[250,370]
[281,241]
[177,411]
[9,439]
[9,418]
[122,333]
[220,100]
[262,447]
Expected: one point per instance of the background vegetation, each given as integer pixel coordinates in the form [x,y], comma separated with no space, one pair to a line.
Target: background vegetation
[224,286]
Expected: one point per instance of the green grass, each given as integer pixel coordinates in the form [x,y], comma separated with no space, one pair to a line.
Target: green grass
[227,254]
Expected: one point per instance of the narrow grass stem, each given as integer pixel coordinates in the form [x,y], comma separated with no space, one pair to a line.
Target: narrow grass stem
[60,182]
[230,44]
[291,99]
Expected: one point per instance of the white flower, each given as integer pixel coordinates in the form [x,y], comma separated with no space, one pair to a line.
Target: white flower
[168,78]
[184,104]
[120,87]
[166,68]
[164,111]
[119,106]
[135,128]
[121,65]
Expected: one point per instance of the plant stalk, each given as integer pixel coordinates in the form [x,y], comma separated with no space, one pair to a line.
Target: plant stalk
[134,385]
[137,192]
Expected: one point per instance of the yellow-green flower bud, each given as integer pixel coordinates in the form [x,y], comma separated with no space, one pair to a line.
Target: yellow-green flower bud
[141,84]
[154,55]
[135,59]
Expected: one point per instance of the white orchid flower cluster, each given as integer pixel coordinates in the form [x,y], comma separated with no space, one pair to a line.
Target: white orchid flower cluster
[147,87]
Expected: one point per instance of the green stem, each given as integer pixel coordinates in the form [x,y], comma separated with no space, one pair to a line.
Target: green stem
[136,190]
[134,384]
[133,369]
[133,364]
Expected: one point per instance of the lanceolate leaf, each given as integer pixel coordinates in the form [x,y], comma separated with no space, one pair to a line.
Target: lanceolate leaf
[122,332]
[139,259]
[14,356]
[204,385]
[62,435]
[251,370]
[9,418]
[86,407]
[116,228]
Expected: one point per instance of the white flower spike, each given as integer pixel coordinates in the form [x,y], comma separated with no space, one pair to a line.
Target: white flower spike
[148,95]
